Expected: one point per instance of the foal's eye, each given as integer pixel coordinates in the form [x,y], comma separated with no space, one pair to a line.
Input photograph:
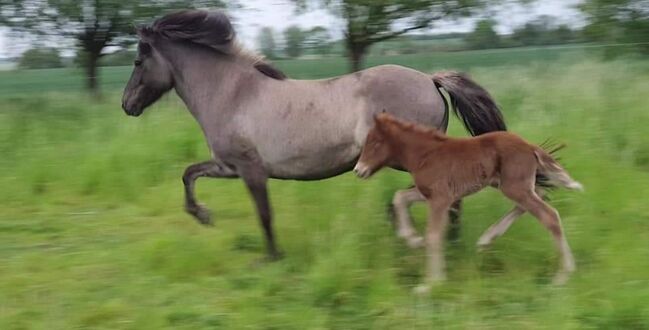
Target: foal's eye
[137,62]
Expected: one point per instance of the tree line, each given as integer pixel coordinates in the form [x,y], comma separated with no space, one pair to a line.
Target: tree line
[98,25]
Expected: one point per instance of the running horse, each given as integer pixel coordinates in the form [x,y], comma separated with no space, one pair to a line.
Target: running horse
[259,124]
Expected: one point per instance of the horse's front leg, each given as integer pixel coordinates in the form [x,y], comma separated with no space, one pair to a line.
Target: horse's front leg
[212,169]
[256,181]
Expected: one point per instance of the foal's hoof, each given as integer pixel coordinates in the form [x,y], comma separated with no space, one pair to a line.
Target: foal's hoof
[422,289]
[201,214]
[561,278]
[415,241]
[483,246]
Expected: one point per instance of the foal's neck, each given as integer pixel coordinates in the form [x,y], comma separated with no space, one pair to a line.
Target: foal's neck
[410,145]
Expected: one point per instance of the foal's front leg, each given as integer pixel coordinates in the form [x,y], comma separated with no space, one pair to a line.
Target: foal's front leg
[400,204]
[210,168]
[437,222]
[402,201]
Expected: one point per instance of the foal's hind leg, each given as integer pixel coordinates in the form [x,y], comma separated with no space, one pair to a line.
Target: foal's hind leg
[210,168]
[549,217]
[498,229]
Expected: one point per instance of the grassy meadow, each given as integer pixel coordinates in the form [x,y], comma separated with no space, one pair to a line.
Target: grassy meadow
[93,233]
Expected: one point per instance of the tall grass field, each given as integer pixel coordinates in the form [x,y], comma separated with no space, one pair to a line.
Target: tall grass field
[93,233]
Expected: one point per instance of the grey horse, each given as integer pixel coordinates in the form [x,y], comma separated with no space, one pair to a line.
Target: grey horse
[259,124]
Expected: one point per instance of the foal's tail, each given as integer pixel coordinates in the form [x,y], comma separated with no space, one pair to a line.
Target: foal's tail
[550,173]
[471,103]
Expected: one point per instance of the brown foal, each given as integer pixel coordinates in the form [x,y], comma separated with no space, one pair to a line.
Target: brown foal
[446,169]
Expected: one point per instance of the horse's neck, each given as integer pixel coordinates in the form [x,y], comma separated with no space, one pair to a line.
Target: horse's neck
[205,82]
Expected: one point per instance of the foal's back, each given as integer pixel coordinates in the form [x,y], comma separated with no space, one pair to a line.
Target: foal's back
[461,166]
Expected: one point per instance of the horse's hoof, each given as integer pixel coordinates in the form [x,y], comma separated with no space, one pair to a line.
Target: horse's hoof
[275,256]
[202,214]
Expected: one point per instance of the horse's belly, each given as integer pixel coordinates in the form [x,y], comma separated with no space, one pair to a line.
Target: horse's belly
[313,165]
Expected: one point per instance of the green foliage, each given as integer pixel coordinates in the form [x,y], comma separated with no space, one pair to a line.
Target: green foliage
[318,40]
[266,40]
[483,36]
[542,31]
[294,39]
[618,21]
[94,25]
[94,236]
[40,58]
[369,22]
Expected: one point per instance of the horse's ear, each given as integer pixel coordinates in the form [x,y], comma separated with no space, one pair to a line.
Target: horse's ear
[144,33]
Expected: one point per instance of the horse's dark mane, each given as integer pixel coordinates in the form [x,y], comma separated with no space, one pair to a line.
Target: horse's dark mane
[270,71]
[212,29]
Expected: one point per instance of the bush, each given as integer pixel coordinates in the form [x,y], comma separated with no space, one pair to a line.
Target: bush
[40,58]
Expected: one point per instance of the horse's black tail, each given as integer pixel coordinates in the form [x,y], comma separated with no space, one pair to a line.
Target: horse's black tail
[471,103]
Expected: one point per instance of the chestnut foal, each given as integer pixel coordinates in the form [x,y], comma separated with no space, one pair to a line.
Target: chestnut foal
[446,169]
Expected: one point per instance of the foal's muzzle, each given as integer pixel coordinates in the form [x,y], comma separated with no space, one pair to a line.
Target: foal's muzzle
[362,171]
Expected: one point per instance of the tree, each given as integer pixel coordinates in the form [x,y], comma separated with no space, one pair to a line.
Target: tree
[483,36]
[40,58]
[94,24]
[318,39]
[370,21]
[294,38]
[266,41]
[618,21]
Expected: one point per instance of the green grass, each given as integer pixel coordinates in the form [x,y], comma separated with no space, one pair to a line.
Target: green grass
[92,232]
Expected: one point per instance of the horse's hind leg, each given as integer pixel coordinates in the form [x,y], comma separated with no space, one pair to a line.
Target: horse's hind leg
[549,217]
[210,168]
[455,223]
[400,204]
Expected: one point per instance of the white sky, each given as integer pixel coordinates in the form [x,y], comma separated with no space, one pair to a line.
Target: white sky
[279,14]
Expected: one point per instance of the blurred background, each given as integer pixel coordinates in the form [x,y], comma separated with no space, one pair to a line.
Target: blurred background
[92,229]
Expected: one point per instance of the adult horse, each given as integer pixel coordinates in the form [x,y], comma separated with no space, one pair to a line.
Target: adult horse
[260,124]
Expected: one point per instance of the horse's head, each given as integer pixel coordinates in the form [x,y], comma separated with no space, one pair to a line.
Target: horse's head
[377,151]
[151,77]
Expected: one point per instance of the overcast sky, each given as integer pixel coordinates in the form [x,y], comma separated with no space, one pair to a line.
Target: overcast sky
[280,14]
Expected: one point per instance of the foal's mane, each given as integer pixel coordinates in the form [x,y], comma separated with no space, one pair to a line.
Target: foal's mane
[391,123]
[211,29]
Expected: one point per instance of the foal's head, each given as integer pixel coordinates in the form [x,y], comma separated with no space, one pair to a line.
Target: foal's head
[377,150]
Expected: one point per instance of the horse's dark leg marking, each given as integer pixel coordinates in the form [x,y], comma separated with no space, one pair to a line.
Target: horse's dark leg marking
[256,180]
[455,224]
[210,168]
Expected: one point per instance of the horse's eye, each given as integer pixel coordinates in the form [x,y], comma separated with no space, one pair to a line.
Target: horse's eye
[137,62]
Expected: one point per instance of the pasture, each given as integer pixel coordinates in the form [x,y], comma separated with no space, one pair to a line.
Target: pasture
[93,233]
